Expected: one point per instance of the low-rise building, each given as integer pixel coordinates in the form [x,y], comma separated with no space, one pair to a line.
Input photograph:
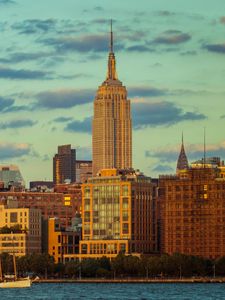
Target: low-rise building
[61,241]
[20,230]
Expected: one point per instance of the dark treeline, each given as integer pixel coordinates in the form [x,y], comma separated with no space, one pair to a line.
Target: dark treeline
[165,266]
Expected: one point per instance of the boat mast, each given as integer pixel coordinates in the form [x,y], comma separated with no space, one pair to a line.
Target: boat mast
[1,276]
[14,257]
[14,266]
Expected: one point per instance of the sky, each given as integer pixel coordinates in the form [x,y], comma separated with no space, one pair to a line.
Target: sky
[53,56]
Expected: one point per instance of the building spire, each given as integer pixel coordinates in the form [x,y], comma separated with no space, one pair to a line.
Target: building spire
[182,162]
[111,38]
[111,75]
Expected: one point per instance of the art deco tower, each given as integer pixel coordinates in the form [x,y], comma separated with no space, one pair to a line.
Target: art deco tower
[111,127]
[182,162]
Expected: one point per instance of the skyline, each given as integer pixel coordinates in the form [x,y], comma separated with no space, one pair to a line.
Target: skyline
[52,62]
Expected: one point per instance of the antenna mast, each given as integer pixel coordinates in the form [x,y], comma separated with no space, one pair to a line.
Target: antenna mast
[204,149]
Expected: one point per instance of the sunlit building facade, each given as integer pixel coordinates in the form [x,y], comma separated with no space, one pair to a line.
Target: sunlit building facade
[64,165]
[117,214]
[191,211]
[112,125]
[26,239]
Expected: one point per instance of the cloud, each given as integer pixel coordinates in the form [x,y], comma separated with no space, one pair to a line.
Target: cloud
[15,124]
[145,91]
[193,151]
[18,57]
[139,48]
[4,2]
[5,103]
[63,98]
[162,168]
[12,150]
[83,126]
[62,119]
[22,74]
[160,113]
[218,48]
[32,26]
[222,20]
[165,13]
[172,37]
[82,44]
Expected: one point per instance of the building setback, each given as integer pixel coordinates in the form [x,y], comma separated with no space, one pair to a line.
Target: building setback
[111,127]
[64,165]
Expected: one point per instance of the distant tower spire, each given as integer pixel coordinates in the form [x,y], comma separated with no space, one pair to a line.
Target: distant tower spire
[111,75]
[204,159]
[182,162]
[111,39]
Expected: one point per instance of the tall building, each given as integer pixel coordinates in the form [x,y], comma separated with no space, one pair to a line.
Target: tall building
[117,214]
[182,162]
[64,165]
[191,211]
[111,127]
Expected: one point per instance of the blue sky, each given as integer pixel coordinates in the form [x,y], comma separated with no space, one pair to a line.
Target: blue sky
[53,56]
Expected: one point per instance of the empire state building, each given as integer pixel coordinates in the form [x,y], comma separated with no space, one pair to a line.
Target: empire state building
[112,124]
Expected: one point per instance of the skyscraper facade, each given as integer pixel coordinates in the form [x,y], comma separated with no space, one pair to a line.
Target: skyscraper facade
[112,125]
[64,165]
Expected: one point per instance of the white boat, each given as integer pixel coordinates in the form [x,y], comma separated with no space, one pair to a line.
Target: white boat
[12,281]
[19,283]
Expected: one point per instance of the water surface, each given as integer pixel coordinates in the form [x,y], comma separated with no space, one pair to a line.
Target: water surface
[112,291]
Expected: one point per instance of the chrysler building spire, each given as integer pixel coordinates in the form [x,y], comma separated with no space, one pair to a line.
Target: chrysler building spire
[182,162]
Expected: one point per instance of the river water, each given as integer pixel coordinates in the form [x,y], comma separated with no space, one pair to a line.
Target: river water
[112,291]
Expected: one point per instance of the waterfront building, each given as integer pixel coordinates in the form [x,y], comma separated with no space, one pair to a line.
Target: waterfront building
[191,211]
[64,165]
[60,205]
[10,175]
[20,230]
[61,241]
[118,214]
[83,170]
[111,127]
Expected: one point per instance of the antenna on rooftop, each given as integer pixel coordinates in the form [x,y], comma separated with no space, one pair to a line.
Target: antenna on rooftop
[204,159]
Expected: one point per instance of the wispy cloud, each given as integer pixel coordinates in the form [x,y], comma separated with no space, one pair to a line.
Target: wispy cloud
[172,37]
[13,150]
[5,2]
[146,91]
[82,44]
[32,26]
[193,151]
[15,124]
[62,119]
[23,74]
[222,20]
[218,48]
[162,168]
[161,113]
[64,98]
[83,126]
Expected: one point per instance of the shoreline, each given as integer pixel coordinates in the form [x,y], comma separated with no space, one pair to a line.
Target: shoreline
[130,280]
